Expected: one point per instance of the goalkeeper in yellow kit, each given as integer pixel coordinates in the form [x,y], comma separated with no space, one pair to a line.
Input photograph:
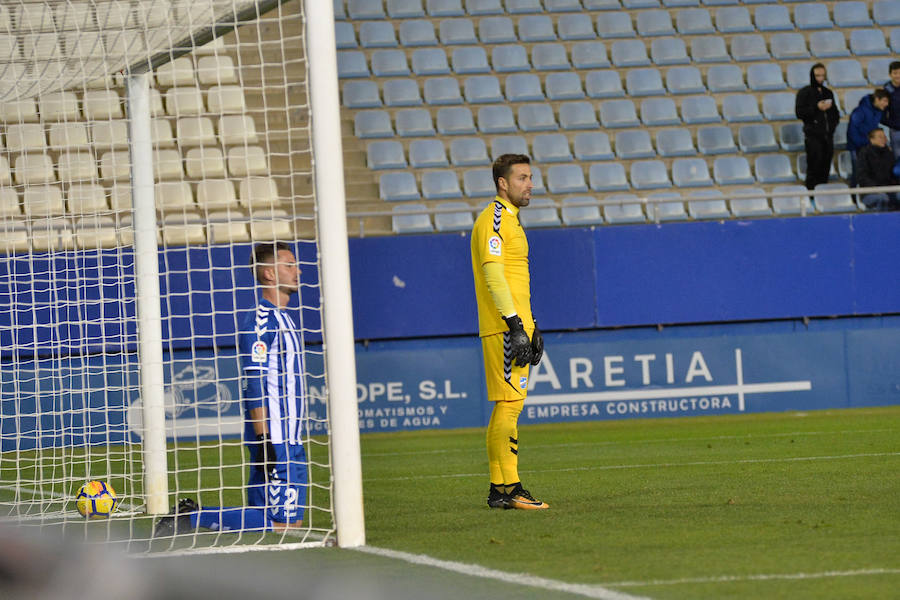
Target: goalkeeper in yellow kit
[510,338]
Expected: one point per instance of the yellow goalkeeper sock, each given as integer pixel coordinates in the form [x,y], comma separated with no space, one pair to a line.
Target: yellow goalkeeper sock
[503,442]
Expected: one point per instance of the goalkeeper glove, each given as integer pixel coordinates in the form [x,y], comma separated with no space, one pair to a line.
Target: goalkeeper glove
[537,345]
[266,453]
[519,344]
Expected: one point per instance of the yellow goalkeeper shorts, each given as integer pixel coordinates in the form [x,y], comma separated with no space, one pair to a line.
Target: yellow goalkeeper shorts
[505,380]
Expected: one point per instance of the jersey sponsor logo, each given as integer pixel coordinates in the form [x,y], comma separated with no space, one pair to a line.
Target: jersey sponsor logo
[495,246]
[258,351]
[523,383]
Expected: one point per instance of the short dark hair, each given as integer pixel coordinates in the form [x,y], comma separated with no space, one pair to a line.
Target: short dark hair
[874,131]
[881,92]
[265,253]
[894,66]
[504,164]
[817,66]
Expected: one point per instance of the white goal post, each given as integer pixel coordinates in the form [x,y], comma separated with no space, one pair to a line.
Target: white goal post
[148,146]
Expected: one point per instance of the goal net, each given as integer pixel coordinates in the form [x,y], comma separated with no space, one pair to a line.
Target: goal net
[148,146]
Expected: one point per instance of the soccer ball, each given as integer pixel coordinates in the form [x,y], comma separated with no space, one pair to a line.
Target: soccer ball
[96,500]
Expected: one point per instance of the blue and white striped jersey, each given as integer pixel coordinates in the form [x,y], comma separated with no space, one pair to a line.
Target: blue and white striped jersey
[271,356]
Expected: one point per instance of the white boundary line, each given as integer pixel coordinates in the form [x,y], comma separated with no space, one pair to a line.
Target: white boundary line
[761,577]
[588,591]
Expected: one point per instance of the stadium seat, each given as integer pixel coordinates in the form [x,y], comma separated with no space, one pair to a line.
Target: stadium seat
[748,47]
[361,94]
[867,42]
[174,196]
[389,63]
[427,153]
[377,34]
[666,206]
[798,74]
[550,148]
[563,86]
[765,77]
[794,204]
[694,21]
[675,142]
[536,28]
[690,172]
[778,106]
[709,49]
[237,129]
[524,87]
[592,146]
[458,220]
[206,162]
[852,97]
[225,99]
[649,175]
[372,124]
[895,39]
[441,91]
[496,119]
[644,82]
[589,55]
[404,9]
[846,73]
[680,3]
[516,7]
[774,168]
[25,137]
[402,92]
[634,144]
[497,30]
[715,139]
[5,177]
[830,203]
[43,201]
[445,8]
[732,170]
[536,117]
[216,70]
[455,120]
[669,51]
[216,194]
[468,152]
[654,23]
[603,84]
[508,144]
[67,135]
[629,53]
[365,9]
[439,185]
[580,211]
[739,108]
[403,222]
[484,7]
[413,122]
[615,25]
[828,44]
[105,104]
[578,115]
[344,38]
[115,166]
[479,183]
[193,131]
[607,177]
[482,89]
[840,135]
[417,32]
[659,111]
[618,113]
[565,179]
[397,187]
[456,31]
[725,78]
[707,204]
[58,106]
[81,199]
[877,70]
[385,155]
[541,212]
[550,57]
[696,110]
[510,58]
[759,137]
[773,17]
[756,206]
[575,27]
[636,4]
[788,46]
[75,166]
[851,13]
[812,15]
[629,211]
[32,169]
[886,12]
[733,19]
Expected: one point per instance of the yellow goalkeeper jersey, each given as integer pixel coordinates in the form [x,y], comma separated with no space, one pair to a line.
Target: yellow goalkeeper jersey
[498,237]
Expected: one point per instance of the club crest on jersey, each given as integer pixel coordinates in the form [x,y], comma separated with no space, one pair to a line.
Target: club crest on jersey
[523,383]
[258,351]
[495,246]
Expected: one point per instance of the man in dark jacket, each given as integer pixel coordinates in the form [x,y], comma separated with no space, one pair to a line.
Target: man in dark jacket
[892,114]
[816,108]
[875,163]
[864,118]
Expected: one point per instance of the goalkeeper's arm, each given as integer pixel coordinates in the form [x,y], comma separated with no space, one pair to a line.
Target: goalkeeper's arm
[520,345]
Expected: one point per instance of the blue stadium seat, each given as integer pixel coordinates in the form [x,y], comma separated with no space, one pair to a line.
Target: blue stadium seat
[886,12]
[482,89]
[536,28]
[690,172]
[551,148]
[708,204]
[339,13]
[541,212]
[694,21]
[788,46]
[680,3]
[592,145]
[401,222]
[496,119]
[361,94]
[497,30]
[389,63]
[442,91]
[845,165]
[508,144]
[479,183]
[634,144]
[430,61]
[445,8]
[555,6]
[828,44]
[868,42]
[895,40]
[675,142]
[684,80]
[740,108]
[832,203]
[629,53]
[790,136]
[372,124]
[523,87]
[644,82]
[414,122]
[750,46]
[417,32]
[601,4]
[576,212]
[657,112]
[427,153]
[377,34]
[732,170]
[550,57]
[669,51]
[536,117]
[758,137]
[618,113]
[851,13]
[470,60]
[709,49]
[877,70]
[773,17]
[589,55]
[715,139]
[440,185]
[607,177]
[455,120]
[755,206]
[458,220]
[401,92]
[457,31]
[469,152]
[635,4]
[578,115]
[565,179]
[484,7]
[404,9]
[397,187]
[603,84]
[798,74]
[365,9]
[846,73]
[615,25]
[794,204]
[385,155]
[351,64]
[629,211]
[516,7]
[733,19]
[575,27]
[725,78]
[564,86]
[344,36]
[510,58]
[649,175]
[537,180]
[697,110]
[654,23]
[765,77]
[812,15]
[774,168]
[666,206]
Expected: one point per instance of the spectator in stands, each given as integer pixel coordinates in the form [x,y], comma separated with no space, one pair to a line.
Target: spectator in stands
[875,162]
[815,107]
[864,118]
[892,114]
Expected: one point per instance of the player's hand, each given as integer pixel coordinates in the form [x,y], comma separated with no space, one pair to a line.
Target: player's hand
[537,345]
[266,454]
[519,344]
